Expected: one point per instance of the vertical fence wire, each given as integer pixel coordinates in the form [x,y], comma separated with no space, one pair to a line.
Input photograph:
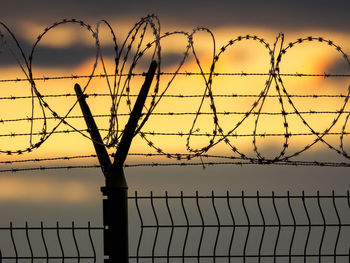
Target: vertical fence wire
[309,226]
[202,228]
[187,227]
[218,226]
[13,242]
[172,226]
[233,225]
[264,228]
[29,243]
[75,242]
[279,228]
[44,242]
[324,226]
[91,242]
[157,228]
[59,241]
[141,228]
[294,228]
[339,227]
[248,228]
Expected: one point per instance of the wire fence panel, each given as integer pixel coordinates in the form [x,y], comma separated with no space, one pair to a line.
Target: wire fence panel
[230,228]
[43,243]
[197,228]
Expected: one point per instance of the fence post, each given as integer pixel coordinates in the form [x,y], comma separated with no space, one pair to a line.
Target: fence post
[115,205]
[115,220]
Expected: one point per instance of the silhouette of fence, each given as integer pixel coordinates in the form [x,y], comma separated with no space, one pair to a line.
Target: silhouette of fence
[227,228]
[245,228]
[50,243]
[197,228]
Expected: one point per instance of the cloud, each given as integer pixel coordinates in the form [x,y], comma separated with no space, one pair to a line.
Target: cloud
[28,19]
[282,15]
[44,190]
[73,54]
[339,66]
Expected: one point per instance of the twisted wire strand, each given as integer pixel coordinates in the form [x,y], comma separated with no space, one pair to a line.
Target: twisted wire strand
[216,74]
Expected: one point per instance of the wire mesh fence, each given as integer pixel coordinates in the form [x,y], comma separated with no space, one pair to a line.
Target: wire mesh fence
[202,228]
[31,243]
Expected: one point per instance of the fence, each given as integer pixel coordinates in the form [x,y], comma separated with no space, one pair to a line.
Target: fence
[197,228]
[215,228]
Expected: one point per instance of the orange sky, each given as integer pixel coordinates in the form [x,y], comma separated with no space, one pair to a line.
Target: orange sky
[247,56]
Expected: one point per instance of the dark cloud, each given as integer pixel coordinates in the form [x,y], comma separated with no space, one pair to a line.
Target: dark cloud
[49,56]
[281,15]
[70,56]
[340,66]
[278,15]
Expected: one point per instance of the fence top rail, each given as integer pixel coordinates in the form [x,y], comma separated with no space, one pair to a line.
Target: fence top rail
[228,195]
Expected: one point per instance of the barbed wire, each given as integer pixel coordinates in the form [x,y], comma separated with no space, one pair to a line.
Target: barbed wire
[89,156]
[93,95]
[182,164]
[216,74]
[131,52]
[181,134]
[310,112]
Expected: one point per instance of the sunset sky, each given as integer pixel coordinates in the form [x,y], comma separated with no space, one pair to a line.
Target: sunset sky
[68,50]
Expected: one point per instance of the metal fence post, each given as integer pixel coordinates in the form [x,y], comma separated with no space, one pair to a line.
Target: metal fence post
[115,221]
[115,205]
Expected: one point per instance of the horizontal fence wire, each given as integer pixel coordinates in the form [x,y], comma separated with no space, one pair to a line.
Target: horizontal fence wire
[208,156]
[310,112]
[202,228]
[181,133]
[182,164]
[242,74]
[243,228]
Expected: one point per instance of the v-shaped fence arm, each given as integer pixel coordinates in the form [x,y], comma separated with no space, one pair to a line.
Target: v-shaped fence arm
[115,206]
[110,169]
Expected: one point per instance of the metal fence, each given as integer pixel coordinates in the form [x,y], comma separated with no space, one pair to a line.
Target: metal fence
[34,243]
[198,228]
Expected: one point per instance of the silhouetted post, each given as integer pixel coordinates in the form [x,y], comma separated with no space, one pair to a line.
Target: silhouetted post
[115,205]
[115,221]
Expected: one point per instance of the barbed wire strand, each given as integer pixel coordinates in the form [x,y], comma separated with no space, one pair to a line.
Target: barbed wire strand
[216,74]
[181,134]
[182,164]
[310,112]
[95,95]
